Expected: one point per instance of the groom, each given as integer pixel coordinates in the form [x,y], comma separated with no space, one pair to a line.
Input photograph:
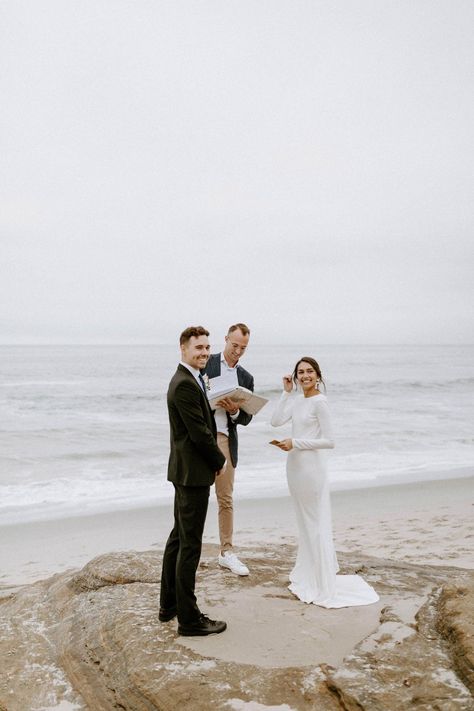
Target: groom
[194,461]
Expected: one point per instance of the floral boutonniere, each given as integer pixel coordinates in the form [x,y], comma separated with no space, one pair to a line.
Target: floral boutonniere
[205,377]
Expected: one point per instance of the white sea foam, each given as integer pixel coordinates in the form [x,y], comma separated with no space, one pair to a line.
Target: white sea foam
[85,428]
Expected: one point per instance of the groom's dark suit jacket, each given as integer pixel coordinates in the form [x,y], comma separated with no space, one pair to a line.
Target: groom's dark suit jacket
[194,455]
[212,370]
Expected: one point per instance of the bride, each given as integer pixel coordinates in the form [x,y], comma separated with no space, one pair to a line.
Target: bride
[313,579]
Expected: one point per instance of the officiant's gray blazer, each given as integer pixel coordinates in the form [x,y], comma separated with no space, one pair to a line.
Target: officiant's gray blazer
[213,370]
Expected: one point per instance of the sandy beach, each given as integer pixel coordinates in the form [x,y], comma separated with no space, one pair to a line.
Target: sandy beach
[73,585]
[428,522]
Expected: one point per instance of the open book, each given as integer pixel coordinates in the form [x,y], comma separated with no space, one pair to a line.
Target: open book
[244,399]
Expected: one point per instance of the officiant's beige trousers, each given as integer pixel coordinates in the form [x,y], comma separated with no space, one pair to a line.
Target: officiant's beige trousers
[224,491]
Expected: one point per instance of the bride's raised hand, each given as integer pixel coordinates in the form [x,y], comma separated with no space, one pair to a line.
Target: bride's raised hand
[288,383]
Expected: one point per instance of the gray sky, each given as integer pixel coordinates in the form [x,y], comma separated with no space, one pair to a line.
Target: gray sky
[303,166]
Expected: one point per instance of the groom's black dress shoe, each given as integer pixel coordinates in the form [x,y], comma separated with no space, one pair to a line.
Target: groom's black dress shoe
[167,614]
[203,626]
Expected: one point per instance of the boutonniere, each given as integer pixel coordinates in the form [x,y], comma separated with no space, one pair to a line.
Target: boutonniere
[205,377]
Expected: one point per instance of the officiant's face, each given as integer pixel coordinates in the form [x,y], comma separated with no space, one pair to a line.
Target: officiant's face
[235,345]
[195,352]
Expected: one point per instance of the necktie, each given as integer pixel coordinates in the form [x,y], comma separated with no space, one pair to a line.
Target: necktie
[203,384]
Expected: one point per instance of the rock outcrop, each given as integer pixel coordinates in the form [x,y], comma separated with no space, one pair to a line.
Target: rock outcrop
[92,640]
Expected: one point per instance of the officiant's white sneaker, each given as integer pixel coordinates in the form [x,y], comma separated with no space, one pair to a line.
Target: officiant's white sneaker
[230,561]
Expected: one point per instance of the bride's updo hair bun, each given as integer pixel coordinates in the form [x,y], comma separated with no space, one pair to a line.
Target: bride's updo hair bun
[315,366]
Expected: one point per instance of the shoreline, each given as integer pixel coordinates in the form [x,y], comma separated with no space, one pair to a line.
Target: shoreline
[52,513]
[425,522]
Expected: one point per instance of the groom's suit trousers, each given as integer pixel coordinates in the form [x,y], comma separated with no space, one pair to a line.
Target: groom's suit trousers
[183,551]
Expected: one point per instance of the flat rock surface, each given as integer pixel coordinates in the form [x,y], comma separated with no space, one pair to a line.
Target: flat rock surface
[91,639]
[262,632]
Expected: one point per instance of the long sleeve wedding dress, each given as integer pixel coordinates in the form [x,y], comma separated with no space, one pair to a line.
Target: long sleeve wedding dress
[314,577]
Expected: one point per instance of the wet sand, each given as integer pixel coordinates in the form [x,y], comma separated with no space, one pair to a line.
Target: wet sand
[428,522]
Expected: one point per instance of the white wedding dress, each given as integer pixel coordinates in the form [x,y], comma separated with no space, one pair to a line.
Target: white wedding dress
[314,579]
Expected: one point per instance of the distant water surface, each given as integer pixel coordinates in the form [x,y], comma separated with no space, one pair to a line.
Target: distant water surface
[85,428]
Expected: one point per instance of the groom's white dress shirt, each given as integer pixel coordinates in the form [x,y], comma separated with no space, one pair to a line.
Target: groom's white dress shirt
[194,372]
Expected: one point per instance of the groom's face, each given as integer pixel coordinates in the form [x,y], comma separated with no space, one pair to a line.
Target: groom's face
[195,352]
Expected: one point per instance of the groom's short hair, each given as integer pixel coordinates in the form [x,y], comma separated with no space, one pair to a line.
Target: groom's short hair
[191,331]
[239,327]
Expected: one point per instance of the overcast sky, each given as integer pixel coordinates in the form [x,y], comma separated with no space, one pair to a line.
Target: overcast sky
[303,166]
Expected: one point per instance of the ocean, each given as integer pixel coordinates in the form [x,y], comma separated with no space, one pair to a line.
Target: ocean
[85,428]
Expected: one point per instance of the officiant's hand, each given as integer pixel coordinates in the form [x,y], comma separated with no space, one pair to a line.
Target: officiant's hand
[286,444]
[288,383]
[228,405]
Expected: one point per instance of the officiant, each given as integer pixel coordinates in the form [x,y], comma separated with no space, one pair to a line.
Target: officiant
[226,367]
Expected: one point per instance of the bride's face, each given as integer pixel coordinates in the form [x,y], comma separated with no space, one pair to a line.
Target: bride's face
[306,376]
